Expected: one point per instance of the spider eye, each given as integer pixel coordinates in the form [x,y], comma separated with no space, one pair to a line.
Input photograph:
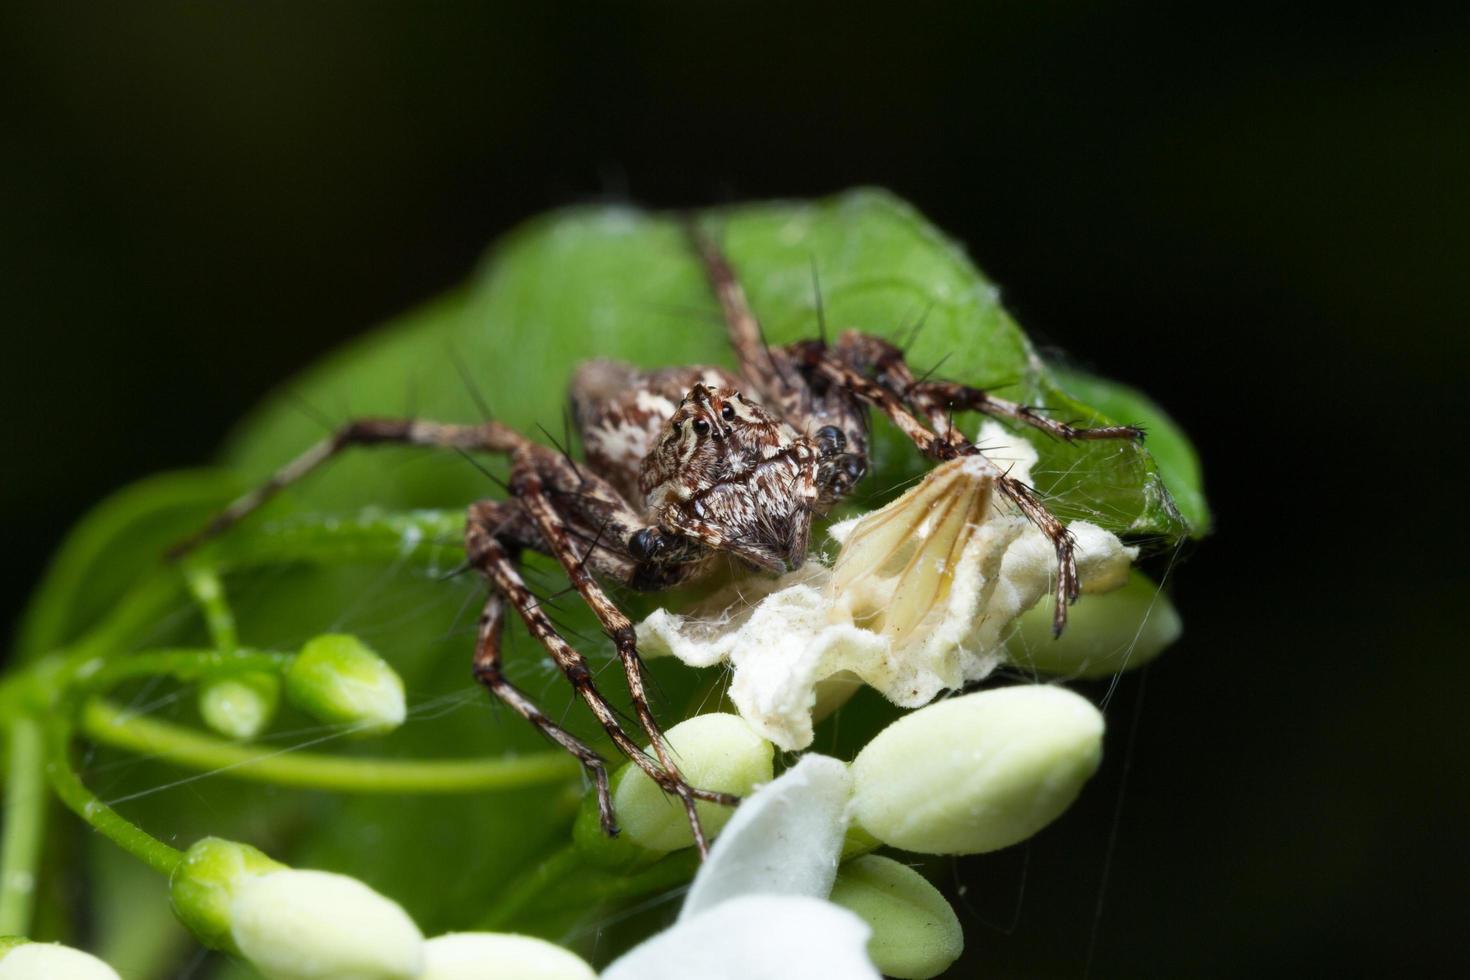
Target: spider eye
[678,426]
[701,427]
[727,413]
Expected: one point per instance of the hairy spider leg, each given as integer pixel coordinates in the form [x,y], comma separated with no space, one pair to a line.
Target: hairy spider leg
[937,400]
[530,493]
[487,667]
[485,437]
[758,361]
[489,520]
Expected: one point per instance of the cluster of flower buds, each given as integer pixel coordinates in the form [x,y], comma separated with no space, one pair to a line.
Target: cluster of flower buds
[963,776]
[335,678]
[314,925]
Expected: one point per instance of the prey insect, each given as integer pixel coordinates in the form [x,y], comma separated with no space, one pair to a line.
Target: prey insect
[684,465]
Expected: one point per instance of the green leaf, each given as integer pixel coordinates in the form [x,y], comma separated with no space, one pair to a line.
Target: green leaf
[1178,464]
[619,283]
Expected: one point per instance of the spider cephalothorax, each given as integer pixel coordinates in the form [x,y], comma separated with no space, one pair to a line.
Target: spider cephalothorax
[684,464]
[733,477]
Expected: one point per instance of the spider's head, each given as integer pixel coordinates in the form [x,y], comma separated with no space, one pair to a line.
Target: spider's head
[733,477]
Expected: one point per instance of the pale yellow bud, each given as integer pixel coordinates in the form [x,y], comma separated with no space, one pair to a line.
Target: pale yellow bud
[978,772]
[1105,633]
[717,752]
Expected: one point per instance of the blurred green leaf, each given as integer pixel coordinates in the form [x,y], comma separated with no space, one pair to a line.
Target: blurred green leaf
[119,541]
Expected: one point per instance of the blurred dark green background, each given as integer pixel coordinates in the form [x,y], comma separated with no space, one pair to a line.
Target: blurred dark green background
[1259,214]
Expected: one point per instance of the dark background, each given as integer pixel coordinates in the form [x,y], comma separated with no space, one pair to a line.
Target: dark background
[1260,215]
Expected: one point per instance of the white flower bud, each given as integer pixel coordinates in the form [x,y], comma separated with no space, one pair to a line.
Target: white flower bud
[500,956]
[51,961]
[716,752]
[915,932]
[314,925]
[240,705]
[1105,633]
[978,772]
[337,679]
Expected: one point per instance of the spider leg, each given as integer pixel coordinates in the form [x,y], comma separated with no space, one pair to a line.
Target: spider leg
[829,363]
[487,667]
[936,400]
[530,492]
[485,437]
[716,539]
[769,369]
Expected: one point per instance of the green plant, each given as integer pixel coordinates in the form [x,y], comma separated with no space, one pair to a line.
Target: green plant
[460,815]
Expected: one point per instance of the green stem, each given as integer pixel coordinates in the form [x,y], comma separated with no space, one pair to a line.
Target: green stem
[186,665]
[105,820]
[209,592]
[425,537]
[107,723]
[25,813]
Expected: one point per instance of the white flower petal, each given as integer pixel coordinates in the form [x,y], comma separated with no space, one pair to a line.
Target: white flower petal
[52,961]
[910,625]
[785,839]
[758,937]
[500,956]
[315,925]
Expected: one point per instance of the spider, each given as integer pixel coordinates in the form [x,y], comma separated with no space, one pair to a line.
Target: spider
[684,464]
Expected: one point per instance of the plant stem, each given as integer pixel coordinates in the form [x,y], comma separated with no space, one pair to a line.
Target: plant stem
[105,820]
[25,812]
[107,723]
[425,537]
[185,665]
[209,592]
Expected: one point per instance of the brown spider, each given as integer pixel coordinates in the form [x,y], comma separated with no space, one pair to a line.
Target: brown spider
[684,464]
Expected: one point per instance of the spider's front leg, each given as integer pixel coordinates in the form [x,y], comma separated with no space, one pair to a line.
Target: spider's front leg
[938,400]
[844,366]
[535,498]
[484,437]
